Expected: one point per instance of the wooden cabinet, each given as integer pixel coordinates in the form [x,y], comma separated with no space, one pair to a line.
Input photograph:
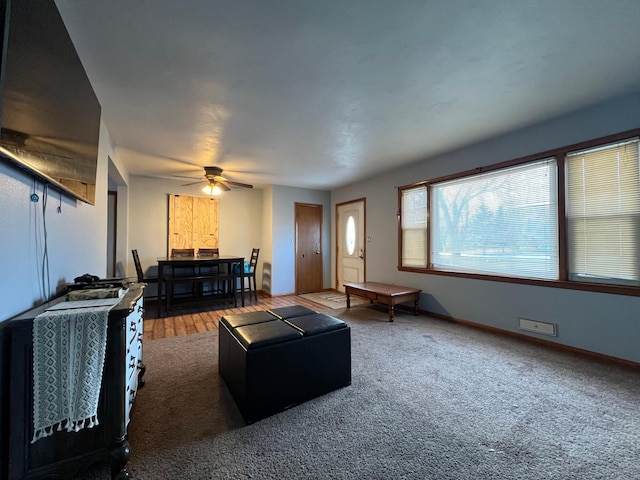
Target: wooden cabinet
[133,363]
[63,454]
[193,222]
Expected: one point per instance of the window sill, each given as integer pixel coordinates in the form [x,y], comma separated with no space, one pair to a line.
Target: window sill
[588,287]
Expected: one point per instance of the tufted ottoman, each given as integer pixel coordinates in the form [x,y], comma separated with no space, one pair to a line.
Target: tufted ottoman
[284,313]
[271,364]
[327,353]
[227,324]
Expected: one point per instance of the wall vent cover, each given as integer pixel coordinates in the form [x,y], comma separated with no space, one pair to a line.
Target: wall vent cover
[543,328]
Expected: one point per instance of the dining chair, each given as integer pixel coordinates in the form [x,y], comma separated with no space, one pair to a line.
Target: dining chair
[139,271]
[182,252]
[250,275]
[208,252]
[216,287]
[140,274]
[182,271]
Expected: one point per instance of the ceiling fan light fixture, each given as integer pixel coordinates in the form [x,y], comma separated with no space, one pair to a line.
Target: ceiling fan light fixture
[212,189]
[217,183]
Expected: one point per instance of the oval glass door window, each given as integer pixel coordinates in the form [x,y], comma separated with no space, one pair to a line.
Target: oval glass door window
[350,235]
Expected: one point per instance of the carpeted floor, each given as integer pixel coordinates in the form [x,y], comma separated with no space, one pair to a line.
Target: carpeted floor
[429,400]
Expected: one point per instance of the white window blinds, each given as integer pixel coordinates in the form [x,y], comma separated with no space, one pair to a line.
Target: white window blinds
[503,222]
[603,214]
[414,227]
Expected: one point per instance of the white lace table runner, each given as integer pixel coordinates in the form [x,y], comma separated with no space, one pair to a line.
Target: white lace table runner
[68,358]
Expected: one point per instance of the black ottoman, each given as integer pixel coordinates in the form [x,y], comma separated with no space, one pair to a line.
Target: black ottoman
[289,312]
[227,324]
[327,353]
[249,318]
[262,367]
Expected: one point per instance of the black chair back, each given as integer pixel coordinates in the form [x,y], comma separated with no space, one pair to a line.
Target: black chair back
[136,261]
[182,252]
[208,252]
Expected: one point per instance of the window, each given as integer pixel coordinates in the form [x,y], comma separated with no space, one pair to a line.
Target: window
[603,214]
[350,236]
[567,218]
[413,203]
[503,222]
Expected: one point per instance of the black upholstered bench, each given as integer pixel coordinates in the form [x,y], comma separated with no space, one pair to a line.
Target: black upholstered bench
[270,364]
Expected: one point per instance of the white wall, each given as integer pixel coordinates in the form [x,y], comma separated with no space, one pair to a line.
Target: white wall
[602,323]
[76,238]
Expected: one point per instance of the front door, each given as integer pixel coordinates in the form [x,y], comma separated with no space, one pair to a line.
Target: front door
[308,248]
[350,244]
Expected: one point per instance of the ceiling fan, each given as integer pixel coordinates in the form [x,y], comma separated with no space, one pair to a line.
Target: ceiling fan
[213,175]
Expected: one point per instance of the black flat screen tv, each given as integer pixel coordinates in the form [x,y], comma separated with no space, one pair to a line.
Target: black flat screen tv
[49,113]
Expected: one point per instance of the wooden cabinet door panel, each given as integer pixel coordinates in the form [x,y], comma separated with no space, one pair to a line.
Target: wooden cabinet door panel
[193,222]
[205,222]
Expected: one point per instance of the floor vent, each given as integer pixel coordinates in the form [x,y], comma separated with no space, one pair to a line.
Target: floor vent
[538,327]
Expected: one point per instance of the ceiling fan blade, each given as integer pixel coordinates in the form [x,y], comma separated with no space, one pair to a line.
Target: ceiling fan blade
[184,176]
[223,186]
[193,183]
[238,184]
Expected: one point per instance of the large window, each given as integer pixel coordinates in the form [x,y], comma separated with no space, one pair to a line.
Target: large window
[569,217]
[503,222]
[603,214]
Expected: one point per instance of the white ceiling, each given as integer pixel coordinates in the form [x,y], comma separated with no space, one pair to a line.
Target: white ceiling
[320,94]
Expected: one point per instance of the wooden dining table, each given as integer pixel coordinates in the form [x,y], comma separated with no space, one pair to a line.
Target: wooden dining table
[223,272]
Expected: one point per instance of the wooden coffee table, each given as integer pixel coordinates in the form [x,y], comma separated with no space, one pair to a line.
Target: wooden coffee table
[390,295]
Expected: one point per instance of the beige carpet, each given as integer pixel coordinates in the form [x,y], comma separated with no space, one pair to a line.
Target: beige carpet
[334,299]
[429,399]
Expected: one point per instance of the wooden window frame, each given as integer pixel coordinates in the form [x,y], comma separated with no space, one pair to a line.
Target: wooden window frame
[559,154]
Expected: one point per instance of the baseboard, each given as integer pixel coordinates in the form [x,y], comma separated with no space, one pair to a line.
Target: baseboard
[541,341]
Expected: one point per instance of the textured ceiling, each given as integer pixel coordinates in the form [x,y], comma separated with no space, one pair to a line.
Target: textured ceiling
[320,94]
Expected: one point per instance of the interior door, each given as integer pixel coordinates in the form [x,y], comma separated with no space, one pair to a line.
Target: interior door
[350,243]
[308,224]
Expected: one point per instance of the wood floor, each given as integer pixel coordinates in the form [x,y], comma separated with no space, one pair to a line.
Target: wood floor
[202,321]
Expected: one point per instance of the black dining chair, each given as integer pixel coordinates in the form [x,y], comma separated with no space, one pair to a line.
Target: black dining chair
[250,276]
[215,286]
[141,277]
[182,252]
[208,252]
[181,275]
[139,271]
